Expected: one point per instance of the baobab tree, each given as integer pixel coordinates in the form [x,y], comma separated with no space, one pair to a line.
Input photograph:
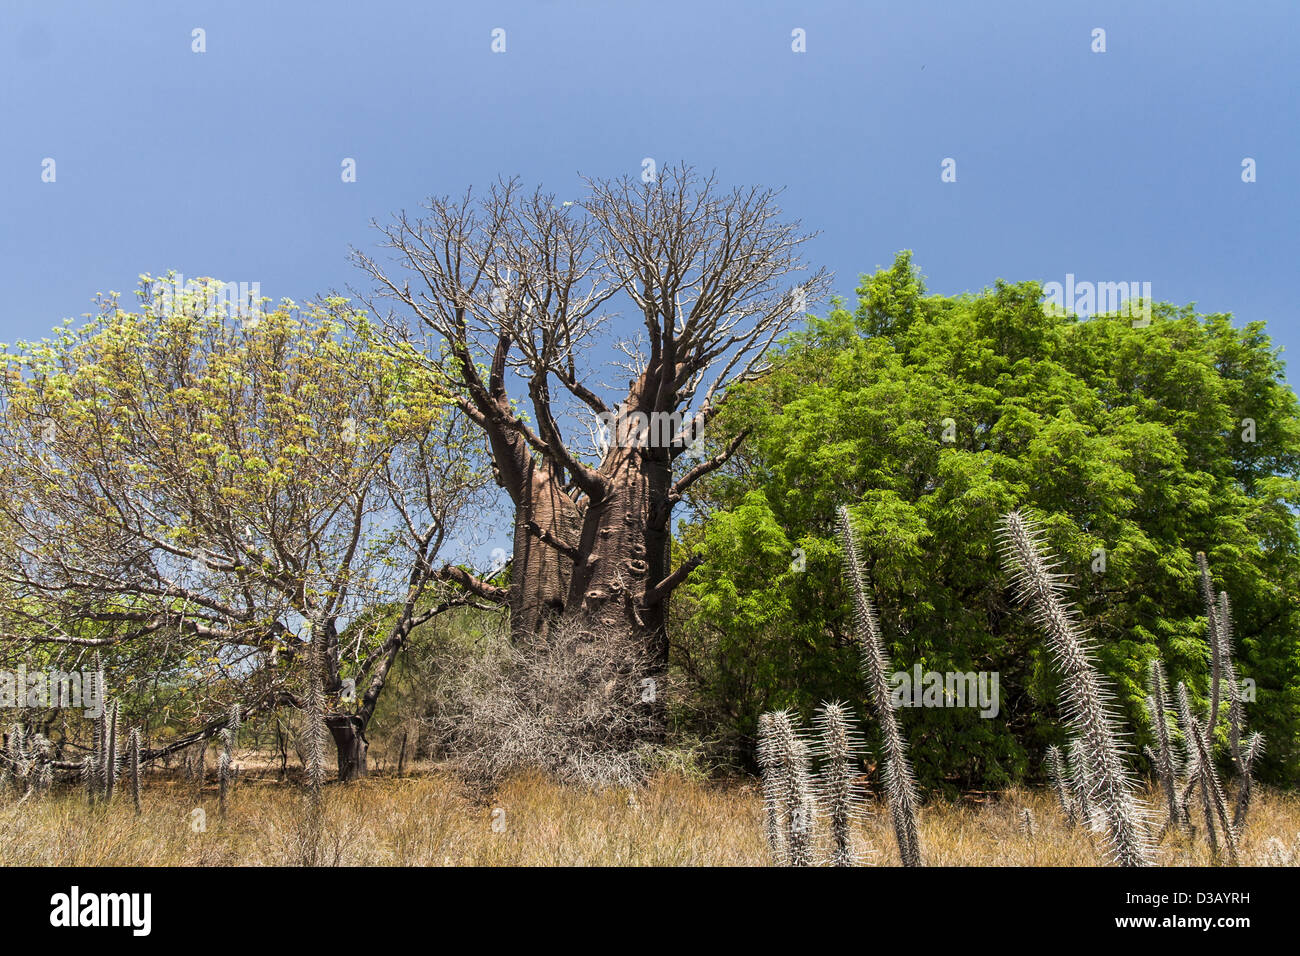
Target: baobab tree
[519,291]
[216,493]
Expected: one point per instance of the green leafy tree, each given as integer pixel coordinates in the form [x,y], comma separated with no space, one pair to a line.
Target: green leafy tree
[932,415]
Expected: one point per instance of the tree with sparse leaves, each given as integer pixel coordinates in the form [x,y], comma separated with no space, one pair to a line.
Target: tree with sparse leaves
[208,493]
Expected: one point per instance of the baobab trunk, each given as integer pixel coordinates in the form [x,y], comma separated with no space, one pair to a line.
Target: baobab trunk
[540,577]
[624,549]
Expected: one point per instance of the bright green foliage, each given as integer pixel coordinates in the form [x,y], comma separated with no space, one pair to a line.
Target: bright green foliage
[1128,439]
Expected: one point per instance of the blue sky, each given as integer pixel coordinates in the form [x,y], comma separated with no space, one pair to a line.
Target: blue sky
[1123,165]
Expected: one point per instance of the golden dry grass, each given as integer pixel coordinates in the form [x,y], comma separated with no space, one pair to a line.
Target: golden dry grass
[428,819]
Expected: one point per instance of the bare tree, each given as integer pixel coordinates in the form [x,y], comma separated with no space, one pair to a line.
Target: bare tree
[519,291]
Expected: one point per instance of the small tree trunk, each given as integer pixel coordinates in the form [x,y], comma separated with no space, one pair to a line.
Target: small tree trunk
[349,734]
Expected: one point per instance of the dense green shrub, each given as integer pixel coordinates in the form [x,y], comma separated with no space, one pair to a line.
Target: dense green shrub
[931,416]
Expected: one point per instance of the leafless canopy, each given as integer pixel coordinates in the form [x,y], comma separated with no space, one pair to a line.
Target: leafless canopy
[524,283]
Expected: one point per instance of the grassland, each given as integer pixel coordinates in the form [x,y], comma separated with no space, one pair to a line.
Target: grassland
[426,818]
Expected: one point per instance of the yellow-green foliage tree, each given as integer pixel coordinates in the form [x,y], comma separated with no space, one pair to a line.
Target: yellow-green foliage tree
[207,491]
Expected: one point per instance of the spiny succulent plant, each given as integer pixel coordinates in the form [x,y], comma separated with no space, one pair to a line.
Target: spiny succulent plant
[17,744]
[226,765]
[1163,755]
[89,770]
[316,735]
[18,750]
[1223,678]
[111,764]
[45,775]
[133,746]
[1058,773]
[314,742]
[1087,700]
[1251,750]
[796,808]
[838,747]
[1081,783]
[769,763]
[1207,778]
[1027,828]
[1243,756]
[1229,672]
[225,768]
[223,781]
[40,769]
[15,761]
[99,737]
[900,789]
[200,765]
[1216,644]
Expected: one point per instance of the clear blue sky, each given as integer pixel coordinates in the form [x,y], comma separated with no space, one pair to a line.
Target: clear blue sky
[1117,166]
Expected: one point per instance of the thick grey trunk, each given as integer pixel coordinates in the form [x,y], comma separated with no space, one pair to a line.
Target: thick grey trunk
[349,733]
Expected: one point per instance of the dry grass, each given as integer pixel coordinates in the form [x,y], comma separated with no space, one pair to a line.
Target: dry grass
[428,819]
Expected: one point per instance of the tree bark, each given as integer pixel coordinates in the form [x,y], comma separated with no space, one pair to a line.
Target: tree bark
[349,733]
[625,549]
[541,574]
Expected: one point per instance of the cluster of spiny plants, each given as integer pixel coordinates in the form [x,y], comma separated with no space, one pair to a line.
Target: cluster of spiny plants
[226,768]
[1093,786]
[1092,779]
[114,762]
[800,804]
[1188,774]
[194,758]
[1103,791]
[26,764]
[29,764]
[795,799]
[102,767]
